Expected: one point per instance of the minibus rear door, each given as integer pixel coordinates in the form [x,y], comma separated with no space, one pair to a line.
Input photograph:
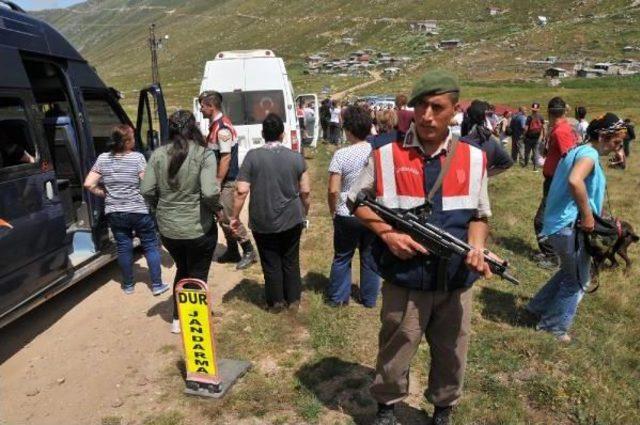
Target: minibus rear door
[152,129]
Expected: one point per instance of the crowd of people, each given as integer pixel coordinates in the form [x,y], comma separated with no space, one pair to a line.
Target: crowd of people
[426,150]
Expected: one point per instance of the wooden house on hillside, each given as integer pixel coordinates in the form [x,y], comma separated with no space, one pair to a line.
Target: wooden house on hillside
[450,44]
[556,72]
[426,27]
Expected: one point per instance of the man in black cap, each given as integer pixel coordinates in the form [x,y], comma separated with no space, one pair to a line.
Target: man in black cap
[424,294]
[534,133]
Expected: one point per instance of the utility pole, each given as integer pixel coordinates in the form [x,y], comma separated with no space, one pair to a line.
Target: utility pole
[154,45]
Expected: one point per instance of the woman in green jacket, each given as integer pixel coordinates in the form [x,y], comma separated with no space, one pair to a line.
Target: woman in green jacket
[180,185]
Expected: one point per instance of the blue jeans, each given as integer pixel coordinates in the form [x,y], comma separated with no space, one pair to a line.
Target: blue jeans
[123,226]
[348,234]
[557,302]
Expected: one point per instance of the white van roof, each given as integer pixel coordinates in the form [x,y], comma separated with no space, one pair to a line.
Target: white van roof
[253,73]
[245,54]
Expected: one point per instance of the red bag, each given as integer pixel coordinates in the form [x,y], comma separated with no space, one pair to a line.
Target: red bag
[535,126]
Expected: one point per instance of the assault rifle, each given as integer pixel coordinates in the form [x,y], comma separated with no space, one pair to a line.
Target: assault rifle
[433,238]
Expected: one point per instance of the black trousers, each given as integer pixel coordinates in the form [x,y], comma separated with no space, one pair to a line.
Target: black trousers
[531,151]
[334,133]
[544,246]
[517,148]
[325,129]
[192,257]
[280,259]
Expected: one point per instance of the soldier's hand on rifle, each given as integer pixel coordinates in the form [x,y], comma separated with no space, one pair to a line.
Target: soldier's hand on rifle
[402,245]
[475,261]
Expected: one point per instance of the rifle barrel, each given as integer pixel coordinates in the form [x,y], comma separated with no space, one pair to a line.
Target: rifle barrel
[430,232]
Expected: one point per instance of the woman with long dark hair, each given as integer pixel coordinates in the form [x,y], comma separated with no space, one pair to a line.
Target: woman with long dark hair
[116,177]
[180,185]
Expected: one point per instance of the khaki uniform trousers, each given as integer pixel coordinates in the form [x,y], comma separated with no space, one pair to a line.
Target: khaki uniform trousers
[224,216]
[407,314]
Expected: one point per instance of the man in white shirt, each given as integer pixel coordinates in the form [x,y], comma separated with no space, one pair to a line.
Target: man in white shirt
[309,120]
[582,124]
[334,123]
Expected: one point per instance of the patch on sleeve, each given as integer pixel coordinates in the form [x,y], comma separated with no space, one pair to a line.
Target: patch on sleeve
[224,135]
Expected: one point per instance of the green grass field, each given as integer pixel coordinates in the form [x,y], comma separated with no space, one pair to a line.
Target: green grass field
[316,367]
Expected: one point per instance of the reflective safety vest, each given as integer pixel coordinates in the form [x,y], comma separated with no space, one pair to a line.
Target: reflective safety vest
[212,141]
[403,177]
[400,177]
[218,125]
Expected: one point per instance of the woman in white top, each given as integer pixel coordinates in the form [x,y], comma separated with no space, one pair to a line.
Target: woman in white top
[349,233]
[334,123]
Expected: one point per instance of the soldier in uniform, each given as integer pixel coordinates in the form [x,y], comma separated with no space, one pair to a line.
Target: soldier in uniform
[424,294]
[223,140]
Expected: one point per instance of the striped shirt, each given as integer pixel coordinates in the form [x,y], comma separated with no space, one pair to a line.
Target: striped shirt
[121,179]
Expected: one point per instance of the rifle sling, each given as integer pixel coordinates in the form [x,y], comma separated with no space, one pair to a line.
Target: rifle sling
[443,261]
[444,170]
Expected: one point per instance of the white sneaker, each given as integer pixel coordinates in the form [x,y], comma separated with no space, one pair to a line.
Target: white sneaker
[175,326]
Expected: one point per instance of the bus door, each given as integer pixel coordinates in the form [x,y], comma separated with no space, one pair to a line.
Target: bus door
[152,129]
[33,238]
[311,130]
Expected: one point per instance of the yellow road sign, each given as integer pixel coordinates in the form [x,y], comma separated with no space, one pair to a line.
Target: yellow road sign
[194,311]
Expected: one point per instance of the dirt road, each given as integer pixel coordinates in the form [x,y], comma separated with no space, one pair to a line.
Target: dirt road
[93,353]
[376,76]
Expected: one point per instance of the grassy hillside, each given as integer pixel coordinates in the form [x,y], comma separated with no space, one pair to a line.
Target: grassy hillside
[112,34]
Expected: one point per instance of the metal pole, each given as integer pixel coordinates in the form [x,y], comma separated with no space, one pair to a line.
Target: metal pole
[153,45]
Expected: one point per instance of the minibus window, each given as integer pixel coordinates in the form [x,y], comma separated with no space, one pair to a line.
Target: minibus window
[233,107]
[102,119]
[261,103]
[252,107]
[16,146]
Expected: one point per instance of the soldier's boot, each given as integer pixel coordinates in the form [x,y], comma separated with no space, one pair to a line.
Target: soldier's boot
[441,415]
[385,415]
[249,256]
[232,254]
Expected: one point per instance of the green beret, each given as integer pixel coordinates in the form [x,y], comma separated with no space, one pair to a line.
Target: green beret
[434,82]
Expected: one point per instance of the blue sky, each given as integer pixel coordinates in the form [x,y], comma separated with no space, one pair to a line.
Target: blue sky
[44,4]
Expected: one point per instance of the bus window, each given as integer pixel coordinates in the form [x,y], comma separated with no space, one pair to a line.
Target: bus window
[252,107]
[102,119]
[233,107]
[16,146]
[259,104]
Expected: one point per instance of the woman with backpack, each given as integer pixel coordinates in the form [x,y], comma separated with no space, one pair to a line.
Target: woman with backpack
[180,185]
